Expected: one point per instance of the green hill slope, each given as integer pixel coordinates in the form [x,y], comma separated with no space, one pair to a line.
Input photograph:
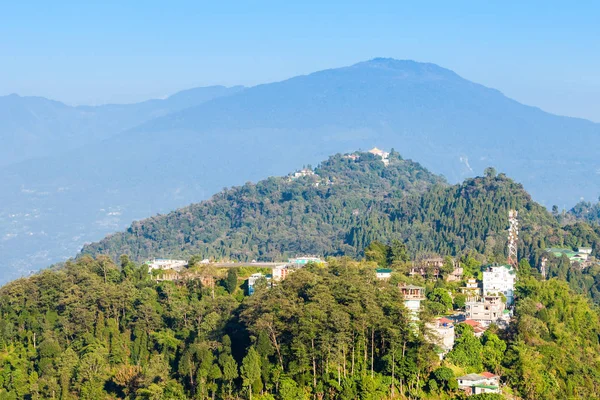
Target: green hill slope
[276,217]
[342,208]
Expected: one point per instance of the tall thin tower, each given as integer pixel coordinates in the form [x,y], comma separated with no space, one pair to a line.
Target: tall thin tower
[513,237]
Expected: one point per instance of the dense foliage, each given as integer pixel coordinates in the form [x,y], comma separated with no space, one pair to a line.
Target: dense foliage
[277,217]
[346,206]
[586,211]
[555,343]
[93,330]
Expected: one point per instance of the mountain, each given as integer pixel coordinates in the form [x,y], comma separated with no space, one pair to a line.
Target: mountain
[32,127]
[340,208]
[454,127]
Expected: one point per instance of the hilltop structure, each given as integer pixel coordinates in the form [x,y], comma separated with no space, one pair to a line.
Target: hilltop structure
[385,156]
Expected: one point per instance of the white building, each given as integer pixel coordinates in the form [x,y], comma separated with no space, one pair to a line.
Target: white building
[471,290]
[383,273]
[303,172]
[163,263]
[500,279]
[383,154]
[280,272]
[442,334]
[255,277]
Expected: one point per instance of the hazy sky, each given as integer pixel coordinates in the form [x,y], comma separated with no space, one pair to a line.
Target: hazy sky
[84,52]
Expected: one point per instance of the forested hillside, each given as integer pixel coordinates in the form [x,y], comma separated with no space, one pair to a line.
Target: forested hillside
[277,217]
[95,330]
[345,206]
[586,211]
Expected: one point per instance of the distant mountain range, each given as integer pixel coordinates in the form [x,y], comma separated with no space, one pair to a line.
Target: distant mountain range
[32,127]
[52,205]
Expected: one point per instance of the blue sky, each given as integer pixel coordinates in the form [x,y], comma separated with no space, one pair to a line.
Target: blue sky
[541,53]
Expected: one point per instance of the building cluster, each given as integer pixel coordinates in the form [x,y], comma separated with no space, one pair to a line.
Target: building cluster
[490,303]
[431,267]
[580,257]
[485,382]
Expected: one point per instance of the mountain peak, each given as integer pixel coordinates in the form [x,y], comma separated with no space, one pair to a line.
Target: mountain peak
[407,68]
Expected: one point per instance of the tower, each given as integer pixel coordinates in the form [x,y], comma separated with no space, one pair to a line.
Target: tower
[513,237]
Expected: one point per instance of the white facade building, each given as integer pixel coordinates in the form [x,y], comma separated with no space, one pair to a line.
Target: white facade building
[500,279]
[163,263]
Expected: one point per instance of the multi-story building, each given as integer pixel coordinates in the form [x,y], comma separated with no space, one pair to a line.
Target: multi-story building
[471,290]
[413,296]
[163,263]
[499,279]
[441,333]
[490,310]
[254,278]
[280,272]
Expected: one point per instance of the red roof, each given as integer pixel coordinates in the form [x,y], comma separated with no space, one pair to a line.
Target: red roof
[444,320]
[472,323]
[487,375]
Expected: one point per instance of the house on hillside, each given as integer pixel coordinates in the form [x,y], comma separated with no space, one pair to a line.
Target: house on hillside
[489,310]
[471,290]
[413,296]
[164,264]
[255,278]
[383,273]
[456,275]
[580,257]
[478,329]
[472,384]
[280,272]
[500,279]
[441,333]
[427,267]
[303,172]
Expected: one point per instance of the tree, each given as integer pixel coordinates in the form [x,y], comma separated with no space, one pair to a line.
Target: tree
[251,368]
[230,370]
[232,280]
[441,297]
[490,172]
[377,252]
[398,254]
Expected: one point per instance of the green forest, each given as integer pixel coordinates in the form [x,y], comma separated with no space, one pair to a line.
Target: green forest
[345,206]
[97,330]
[100,326]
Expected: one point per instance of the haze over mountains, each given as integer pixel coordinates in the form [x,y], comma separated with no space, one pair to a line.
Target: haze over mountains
[128,162]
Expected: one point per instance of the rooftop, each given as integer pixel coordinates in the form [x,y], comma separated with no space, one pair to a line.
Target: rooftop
[471,377]
[472,323]
[383,271]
